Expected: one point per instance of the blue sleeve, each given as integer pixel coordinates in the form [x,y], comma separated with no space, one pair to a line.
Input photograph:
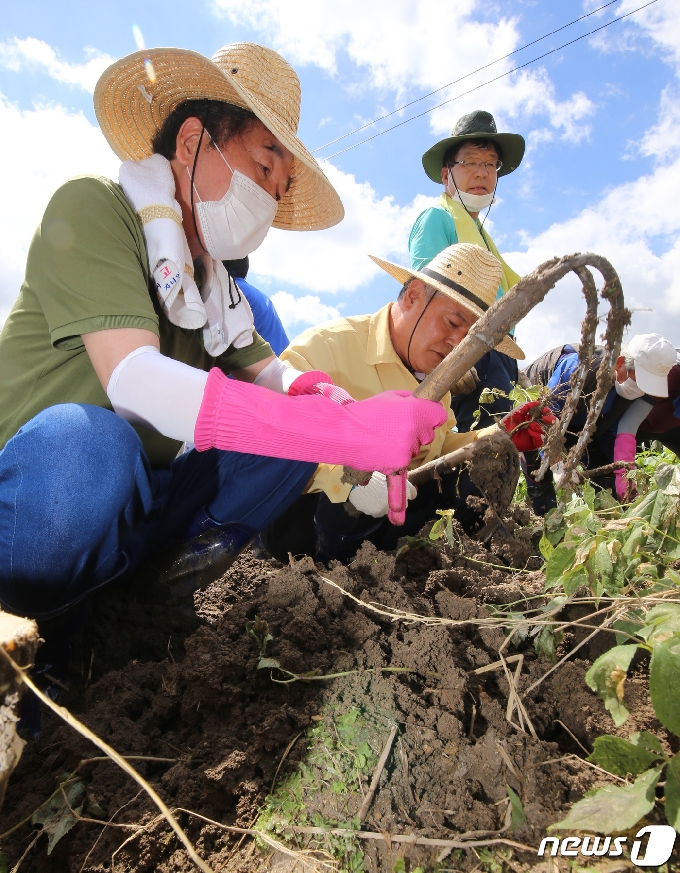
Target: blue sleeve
[432,232]
[558,383]
[267,321]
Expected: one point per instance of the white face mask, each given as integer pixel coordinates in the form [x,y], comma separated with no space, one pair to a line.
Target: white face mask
[472,202]
[630,390]
[236,225]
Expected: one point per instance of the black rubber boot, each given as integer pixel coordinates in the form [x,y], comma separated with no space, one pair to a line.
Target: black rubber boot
[203,559]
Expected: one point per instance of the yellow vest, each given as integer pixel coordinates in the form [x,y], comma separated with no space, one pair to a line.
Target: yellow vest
[468,231]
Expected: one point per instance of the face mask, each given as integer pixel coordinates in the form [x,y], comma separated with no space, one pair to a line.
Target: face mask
[630,390]
[236,225]
[472,202]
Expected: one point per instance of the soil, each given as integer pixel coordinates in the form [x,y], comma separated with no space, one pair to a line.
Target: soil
[159,674]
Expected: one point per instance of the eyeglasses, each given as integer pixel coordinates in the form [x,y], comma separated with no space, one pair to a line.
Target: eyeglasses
[489,166]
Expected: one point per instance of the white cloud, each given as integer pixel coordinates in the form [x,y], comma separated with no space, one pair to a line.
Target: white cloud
[336,260]
[660,21]
[34,54]
[400,43]
[663,141]
[300,311]
[635,226]
[55,145]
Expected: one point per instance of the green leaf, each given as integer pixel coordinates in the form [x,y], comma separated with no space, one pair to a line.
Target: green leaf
[56,817]
[518,818]
[437,531]
[560,560]
[647,741]
[545,547]
[574,579]
[4,866]
[270,663]
[634,541]
[602,565]
[545,643]
[663,621]
[621,757]
[589,495]
[607,677]
[614,808]
[672,792]
[664,683]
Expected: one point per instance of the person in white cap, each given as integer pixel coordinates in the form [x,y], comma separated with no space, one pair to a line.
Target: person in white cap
[119,346]
[640,381]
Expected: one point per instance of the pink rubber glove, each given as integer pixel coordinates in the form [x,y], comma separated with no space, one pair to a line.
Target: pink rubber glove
[624,450]
[381,433]
[318,382]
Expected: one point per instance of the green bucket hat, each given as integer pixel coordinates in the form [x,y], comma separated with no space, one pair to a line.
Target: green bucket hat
[475,125]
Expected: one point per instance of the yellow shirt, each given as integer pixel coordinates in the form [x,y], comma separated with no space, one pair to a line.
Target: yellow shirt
[358,355]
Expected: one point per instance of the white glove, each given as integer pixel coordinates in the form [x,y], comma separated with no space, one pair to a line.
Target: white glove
[371,499]
[467,384]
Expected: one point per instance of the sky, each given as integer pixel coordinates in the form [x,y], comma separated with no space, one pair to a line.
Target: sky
[601,118]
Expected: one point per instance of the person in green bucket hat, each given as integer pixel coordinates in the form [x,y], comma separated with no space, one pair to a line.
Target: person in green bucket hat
[469,163]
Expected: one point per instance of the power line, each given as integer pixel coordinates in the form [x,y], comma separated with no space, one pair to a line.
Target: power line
[462,78]
[489,81]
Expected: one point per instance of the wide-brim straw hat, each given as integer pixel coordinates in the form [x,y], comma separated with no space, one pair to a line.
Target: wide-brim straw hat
[475,125]
[131,104]
[466,273]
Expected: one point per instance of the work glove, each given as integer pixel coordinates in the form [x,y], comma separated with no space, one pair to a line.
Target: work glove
[467,384]
[372,498]
[624,450]
[526,425]
[318,382]
[381,433]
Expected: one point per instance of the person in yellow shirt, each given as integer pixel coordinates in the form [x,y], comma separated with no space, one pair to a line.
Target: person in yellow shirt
[393,348]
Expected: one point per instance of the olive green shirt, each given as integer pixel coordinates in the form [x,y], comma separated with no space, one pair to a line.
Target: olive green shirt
[86,271]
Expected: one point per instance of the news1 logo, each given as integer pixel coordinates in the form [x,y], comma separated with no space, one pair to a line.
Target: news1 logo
[657,851]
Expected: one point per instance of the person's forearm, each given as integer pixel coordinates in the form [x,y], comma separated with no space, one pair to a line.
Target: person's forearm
[157,392]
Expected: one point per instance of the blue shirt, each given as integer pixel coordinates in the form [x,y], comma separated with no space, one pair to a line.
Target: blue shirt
[267,321]
[433,231]
[558,383]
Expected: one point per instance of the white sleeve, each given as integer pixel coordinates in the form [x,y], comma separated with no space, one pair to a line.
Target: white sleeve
[633,417]
[277,376]
[157,392]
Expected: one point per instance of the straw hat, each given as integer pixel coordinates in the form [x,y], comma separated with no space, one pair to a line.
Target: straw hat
[467,274]
[475,125]
[130,108]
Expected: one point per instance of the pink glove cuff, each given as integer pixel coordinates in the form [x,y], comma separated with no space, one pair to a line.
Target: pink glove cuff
[318,382]
[382,433]
[305,383]
[625,446]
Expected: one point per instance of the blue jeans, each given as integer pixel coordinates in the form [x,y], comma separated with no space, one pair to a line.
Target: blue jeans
[81,506]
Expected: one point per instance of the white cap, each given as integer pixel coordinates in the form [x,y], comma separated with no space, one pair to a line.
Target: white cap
[654,356]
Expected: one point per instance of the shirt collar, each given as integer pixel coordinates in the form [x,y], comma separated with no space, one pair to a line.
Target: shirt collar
[380,349]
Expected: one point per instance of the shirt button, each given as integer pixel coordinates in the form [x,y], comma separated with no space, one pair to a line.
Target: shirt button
[336,488]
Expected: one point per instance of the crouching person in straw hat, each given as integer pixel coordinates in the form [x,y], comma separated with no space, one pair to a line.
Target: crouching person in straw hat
[394,349]
[117,350]
[469,163]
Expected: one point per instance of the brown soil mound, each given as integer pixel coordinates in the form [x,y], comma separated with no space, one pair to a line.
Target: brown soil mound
[158,678]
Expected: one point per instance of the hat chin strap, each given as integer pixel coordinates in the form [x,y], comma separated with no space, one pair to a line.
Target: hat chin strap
[410,339]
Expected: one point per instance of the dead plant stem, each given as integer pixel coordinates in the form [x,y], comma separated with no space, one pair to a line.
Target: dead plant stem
[84,731]
[368,800]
